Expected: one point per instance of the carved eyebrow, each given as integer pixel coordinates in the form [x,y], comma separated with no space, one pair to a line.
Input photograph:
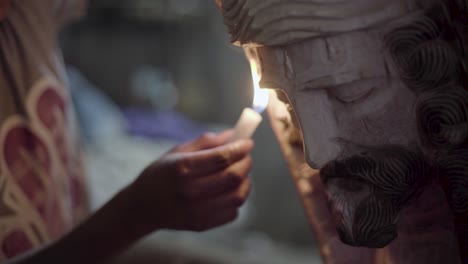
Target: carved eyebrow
[329,81]
[357,84]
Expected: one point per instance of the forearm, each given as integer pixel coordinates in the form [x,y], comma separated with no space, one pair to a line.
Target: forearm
[102,236]
[197,186]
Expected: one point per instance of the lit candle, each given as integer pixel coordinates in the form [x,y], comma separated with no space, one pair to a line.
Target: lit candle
[251,118]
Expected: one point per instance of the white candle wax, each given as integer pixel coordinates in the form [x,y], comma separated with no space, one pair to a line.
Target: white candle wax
[247,124]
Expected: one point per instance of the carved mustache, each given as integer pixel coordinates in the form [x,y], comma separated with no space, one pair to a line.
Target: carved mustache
[392,169]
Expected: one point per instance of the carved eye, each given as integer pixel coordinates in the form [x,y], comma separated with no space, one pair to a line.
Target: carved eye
[351,95]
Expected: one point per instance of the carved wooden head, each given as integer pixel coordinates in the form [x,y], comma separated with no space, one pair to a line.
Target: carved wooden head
[379,88]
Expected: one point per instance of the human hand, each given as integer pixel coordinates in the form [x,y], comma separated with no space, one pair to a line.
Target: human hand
[196,186]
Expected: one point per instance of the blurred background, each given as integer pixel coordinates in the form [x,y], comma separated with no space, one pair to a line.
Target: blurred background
[148,74]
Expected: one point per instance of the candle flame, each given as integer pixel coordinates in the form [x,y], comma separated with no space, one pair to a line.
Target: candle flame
[261,96]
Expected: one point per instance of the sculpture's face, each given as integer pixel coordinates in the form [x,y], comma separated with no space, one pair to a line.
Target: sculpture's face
[348,101]
[347,94]
[349,98]
[369,82]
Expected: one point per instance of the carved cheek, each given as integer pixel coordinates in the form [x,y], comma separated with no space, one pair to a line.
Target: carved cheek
[385,118]
[399,119]
[318,123]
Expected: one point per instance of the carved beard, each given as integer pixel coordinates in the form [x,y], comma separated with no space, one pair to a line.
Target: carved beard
[366,192]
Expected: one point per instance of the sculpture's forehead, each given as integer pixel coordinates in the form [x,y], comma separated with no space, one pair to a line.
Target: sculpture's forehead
[324,61]
[281,22]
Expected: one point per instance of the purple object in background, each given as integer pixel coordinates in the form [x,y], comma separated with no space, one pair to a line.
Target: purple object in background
[169,125]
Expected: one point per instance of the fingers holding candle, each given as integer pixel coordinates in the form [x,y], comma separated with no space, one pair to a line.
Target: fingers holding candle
[219,210]
[206,162]
[198,189]
[225,201]
[219,183]
[212,171]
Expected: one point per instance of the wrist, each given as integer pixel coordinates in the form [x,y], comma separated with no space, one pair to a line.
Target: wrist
[134,211]
[131,212]
[108,232]
[118,224]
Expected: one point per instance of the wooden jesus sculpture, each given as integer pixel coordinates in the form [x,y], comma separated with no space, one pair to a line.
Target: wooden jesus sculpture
[371,113]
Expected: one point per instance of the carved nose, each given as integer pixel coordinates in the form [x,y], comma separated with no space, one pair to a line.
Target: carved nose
[312,163]
[321,153]
[319,128]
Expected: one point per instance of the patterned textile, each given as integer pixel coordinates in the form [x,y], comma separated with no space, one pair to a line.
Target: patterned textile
[42,188]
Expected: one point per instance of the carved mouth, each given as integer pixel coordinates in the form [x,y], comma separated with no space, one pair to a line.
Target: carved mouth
[362,216]
[353,219]
[336,170]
